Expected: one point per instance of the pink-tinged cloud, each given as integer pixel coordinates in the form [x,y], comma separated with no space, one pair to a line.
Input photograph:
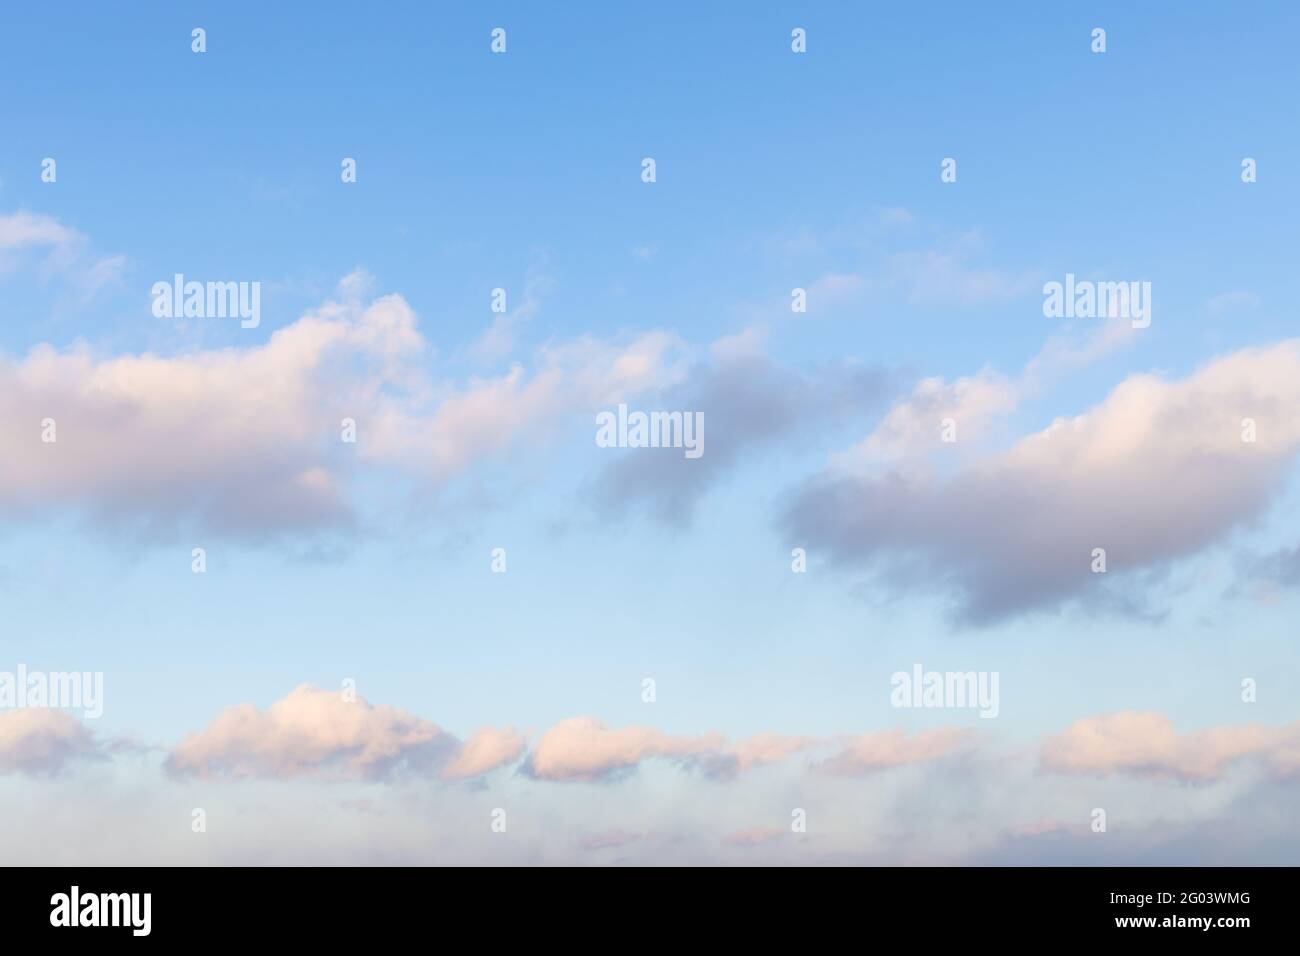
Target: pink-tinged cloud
[246,442]
[38,741]
[583,748]
[241,441]
[883,749]
[311,733]
[314,733]
[485,750]
[1157,471]
[1145,744]
[768,747]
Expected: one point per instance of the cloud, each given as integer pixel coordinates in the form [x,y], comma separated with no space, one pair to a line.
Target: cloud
[583,748]
[884,749]
[1144,744]
[913,426]
[461,424]
[317,734]
[1069,349]
[768,748]
[498,340]
[921,816]
[234,440]
[101,274]
[62,251]
[245,442]
[312,732]
[1155,472]
[974,404]
[21,230]
[749,403]
[39,741]
[485,750]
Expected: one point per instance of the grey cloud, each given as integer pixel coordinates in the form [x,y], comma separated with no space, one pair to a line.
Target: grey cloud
[749,404]
[1156,472]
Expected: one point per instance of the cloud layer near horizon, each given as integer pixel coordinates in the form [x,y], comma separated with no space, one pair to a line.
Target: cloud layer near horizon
[314,733]
[319,739]
[328,735]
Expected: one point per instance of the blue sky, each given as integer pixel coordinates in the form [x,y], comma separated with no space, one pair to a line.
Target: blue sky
[775,170]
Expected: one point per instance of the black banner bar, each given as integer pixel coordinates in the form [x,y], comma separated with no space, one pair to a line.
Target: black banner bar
[1218,906]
